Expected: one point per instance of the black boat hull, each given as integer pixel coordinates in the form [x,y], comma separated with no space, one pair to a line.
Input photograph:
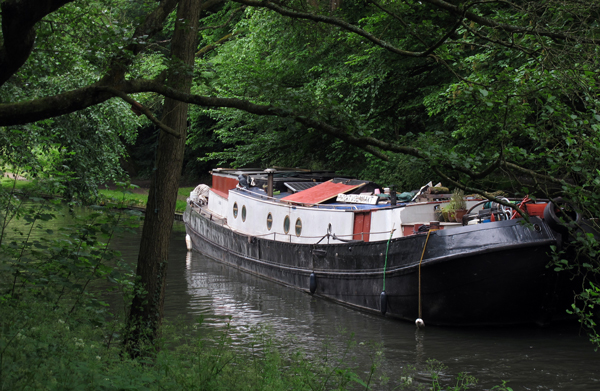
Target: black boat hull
[489,274]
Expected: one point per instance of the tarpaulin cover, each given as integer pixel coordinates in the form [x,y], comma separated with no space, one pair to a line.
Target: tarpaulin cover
[323,192]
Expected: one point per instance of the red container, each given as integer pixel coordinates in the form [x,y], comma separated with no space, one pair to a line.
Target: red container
[536,210]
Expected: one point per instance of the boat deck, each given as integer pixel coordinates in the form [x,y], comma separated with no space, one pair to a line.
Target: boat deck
[259,193]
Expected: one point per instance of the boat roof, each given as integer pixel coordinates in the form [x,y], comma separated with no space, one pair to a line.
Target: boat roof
[325,191]
[256,192]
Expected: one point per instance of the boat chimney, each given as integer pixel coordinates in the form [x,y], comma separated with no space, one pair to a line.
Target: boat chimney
[270,172]
[393,198]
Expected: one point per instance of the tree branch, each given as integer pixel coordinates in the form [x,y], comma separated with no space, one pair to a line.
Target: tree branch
[548,178]
[208,48]
[483,193]
[333,21]
[136,106]
[153,23]
[18,31]
[509,28]
[496,41]
[235,11]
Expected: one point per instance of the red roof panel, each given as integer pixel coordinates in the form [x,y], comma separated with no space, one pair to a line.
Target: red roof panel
[321,193]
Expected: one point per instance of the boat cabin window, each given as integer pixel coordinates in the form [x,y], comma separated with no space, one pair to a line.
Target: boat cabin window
[286,224]
[269,221]
[235,210]
[298,226]
[244,213]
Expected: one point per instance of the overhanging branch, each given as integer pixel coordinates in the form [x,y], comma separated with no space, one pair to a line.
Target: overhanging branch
[135,104]
[509,28]
[332,21]
[481,192]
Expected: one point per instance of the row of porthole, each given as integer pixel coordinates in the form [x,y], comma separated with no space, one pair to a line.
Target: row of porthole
[286,224]
[235,211]
[286,220]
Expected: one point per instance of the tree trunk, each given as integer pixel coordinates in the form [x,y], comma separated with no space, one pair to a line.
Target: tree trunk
[147,306]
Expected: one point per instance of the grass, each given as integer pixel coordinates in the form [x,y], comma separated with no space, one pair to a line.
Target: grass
[140,200]
[8,184]
[133,199]
[137,199]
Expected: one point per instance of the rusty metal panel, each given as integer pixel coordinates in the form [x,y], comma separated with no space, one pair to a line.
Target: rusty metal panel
[323,192]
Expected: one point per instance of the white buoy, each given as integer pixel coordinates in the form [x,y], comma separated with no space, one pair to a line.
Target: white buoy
[188,242]
[188,260]
[420,324]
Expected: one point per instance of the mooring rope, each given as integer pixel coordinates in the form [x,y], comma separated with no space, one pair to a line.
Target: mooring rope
[421,261]
[386,255]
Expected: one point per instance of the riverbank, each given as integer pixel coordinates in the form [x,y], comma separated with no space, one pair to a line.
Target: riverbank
[134,196]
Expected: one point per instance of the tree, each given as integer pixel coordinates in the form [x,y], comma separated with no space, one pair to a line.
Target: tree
[481,93]
[148,303]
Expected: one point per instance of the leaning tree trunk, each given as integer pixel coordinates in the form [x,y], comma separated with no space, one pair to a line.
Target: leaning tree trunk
[147,306]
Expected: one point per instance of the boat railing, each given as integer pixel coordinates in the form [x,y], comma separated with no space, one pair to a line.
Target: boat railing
[296,203]
[321,237]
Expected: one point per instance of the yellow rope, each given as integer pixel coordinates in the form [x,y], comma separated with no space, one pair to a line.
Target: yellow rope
[420,261]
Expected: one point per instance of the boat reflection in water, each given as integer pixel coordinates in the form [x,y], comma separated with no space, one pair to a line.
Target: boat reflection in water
[551,358]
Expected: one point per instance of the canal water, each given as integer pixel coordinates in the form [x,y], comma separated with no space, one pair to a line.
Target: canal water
[559,357]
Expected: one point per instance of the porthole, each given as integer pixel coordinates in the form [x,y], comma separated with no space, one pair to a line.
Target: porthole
[286,224]
[235,210]
[269,221]
[244,213]
[298,226]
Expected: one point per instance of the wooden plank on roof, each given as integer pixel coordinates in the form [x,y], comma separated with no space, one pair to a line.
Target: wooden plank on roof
[321,193]
[296,187]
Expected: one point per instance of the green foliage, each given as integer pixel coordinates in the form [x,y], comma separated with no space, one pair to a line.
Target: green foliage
[324,73]
[440,380]
[73,48]
[60,264]
[81,150]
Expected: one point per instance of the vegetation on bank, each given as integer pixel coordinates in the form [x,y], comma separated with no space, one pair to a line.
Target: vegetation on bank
[138,199]
[43,347]
[57,349]
[127,198]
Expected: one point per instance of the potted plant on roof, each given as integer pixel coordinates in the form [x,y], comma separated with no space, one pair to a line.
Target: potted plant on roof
[448,212]
[459,204]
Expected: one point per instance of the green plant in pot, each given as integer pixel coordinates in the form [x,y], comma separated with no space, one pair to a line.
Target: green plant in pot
[448,212]
[459,204]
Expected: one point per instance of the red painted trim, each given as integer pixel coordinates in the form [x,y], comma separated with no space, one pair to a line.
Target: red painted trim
[223,183]
[367,225]
[224,194]
[359,219]
[362,226]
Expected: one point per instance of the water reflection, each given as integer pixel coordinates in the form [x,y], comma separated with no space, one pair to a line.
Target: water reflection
[555,358]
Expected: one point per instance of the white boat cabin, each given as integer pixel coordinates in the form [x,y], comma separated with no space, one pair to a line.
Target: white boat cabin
[305,206]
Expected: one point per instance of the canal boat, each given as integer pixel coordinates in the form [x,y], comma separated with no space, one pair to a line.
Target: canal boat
[350,241]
